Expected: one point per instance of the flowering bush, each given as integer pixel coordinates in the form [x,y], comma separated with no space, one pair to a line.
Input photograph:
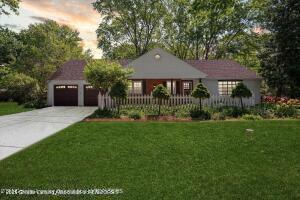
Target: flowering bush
[281,100]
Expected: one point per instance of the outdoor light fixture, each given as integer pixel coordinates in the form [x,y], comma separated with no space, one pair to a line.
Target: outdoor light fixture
[157,56]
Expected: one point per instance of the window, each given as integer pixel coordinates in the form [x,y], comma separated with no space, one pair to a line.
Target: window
[60,87]
[72,87]
[169,86]
[135,87]
[89,87]
[226,87]
[187,87]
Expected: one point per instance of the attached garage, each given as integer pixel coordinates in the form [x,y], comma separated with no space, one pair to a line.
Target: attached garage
[66,95]
[90,96]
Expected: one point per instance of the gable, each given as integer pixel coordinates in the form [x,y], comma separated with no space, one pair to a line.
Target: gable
[158,63]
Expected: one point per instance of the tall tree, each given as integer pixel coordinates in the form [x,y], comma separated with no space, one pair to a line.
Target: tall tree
[46,46]
[281,57]
[104,74]
[129,21]
[176,34]
[10,46]
[12,5]
[216,19]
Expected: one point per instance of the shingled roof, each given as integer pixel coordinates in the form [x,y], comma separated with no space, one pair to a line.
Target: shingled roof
[223,69]
[215,69]
[70,70]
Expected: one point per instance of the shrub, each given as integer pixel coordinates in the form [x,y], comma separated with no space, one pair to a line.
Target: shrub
[119,92]
[218,116]
[200,114]
[38,103]
[161,93]
[285,111]
[135,115]
[241,91]
[181,113]
[265,110]
[234,111]
[251,117]
[104,113]
[20,87]
[200,92]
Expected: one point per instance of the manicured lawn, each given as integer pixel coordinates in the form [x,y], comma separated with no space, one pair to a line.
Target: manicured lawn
[7,108]
[197,160]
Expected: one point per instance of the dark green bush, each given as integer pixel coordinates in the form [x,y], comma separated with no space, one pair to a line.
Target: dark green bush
[135,115]
[35,104]
[105,113]
[285,111]
[200,114]
[266,111]
[234,111]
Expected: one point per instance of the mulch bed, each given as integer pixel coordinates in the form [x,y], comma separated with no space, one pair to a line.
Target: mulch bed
[125,119]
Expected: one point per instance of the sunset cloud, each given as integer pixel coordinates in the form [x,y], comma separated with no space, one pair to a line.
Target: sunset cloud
[78,14]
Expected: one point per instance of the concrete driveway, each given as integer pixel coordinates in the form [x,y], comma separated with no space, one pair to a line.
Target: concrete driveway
[18,131]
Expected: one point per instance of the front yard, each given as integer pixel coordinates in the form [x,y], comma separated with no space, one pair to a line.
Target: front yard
[7,108]
[157,160]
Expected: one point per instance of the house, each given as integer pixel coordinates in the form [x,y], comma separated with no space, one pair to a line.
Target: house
[68,87]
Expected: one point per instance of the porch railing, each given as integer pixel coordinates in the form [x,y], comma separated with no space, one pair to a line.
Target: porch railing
[175,100]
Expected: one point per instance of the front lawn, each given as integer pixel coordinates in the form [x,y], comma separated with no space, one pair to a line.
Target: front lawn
[7,108]
[157,160]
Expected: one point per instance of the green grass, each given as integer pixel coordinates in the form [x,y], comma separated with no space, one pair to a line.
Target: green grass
[156,160]
[7,108]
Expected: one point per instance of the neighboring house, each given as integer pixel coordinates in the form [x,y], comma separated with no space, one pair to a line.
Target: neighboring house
[68,87]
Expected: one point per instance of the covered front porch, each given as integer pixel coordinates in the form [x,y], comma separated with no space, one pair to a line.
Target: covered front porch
[174,86]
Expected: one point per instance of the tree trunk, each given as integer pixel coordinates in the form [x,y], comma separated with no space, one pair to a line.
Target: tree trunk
[200,102]
[103,93]
[241,99]
[118,105]
[159,104]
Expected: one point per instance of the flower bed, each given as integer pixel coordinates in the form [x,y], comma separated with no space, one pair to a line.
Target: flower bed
[281,100]
[192,112]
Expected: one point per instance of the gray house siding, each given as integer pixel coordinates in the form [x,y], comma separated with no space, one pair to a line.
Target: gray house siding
[253,85]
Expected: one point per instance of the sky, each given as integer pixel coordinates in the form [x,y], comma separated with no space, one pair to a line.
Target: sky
[77,14]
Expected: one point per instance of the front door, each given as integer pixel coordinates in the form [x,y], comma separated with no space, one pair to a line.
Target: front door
[151,84]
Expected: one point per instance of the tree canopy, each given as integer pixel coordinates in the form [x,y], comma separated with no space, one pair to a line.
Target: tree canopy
[160,92]
[200,92]
[103,74]
[133,21]
[9,5]
[119,91]
[38,51]
[241,91]
[46,46]
[197,29]
[281,55]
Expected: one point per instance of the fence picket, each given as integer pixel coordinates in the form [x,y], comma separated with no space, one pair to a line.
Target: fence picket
[175,100]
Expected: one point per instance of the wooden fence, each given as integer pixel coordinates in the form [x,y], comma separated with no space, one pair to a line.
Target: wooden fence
[176,100]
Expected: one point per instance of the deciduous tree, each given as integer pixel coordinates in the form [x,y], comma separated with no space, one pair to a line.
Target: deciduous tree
[200,92]
[161,93]
[119,92]
[241,91]
[12,5]
[132,21]
[103,74]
